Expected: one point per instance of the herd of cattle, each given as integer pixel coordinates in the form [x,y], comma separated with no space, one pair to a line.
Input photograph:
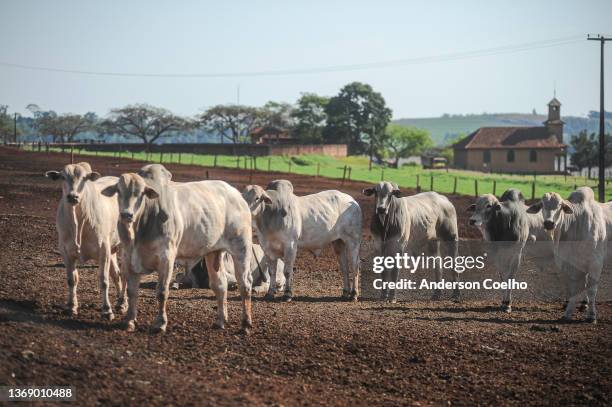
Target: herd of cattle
[152,222]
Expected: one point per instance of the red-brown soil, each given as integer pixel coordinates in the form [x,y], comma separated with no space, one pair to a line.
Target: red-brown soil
[315,350]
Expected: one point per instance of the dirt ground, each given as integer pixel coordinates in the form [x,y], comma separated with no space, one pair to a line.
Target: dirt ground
[315,350]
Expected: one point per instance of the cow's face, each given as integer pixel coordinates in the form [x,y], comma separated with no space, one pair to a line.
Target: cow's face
[74,177]
[553,207]
[131,191]
[156,173]
[256,198]
[384,192]
[481,209]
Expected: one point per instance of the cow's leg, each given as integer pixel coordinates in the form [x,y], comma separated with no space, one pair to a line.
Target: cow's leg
[133,283]
[452,249]
[352,258]
[575,281]
[115,272]
[340,250]
[289,259]
[433,249]
[218,283]
[592,282]
[514,265]
[104,278]
[242,271]
[272,287]
[166,268]
[72,278]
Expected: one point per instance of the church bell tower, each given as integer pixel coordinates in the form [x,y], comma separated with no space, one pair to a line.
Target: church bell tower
[554,124]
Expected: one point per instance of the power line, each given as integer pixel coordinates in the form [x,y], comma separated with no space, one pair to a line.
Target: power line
[326,69]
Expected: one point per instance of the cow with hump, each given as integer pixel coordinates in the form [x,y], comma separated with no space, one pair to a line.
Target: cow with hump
[285,222]
[422,223]
[87,230]
[578,229]
[162,221]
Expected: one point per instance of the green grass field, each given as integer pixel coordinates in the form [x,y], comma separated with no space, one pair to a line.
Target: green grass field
[357,168]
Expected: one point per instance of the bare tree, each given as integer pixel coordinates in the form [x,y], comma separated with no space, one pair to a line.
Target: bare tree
[232,122]
[145,122]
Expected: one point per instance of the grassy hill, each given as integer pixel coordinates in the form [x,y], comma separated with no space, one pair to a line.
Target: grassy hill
[447,127]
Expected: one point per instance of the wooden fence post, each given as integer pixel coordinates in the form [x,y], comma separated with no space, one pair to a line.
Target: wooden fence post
[455,186]
[382,174]
[318,169]
[179,157]
[476,187]
[350,169]
[207,177]
[290,166]
[245,161]
[431,182]
[269,163]
[494,186]
[343,175]
[533,190]
[215,162]
[238,162]
[161,156]
[255,162]
[71,154]
[418,186]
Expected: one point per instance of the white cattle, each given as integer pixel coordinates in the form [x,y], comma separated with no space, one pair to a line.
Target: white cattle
[506,227]
[285,222]
[425,222]
[577,227]
[87,230]
[162,222]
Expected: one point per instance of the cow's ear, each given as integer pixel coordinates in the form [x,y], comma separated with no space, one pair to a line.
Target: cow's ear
[265,198]
[92,176]
[151,193]
[471,208]
[535,208]
[54,175]
[566,208]
[396,193]
[368,191]
[110,190]
[496,206]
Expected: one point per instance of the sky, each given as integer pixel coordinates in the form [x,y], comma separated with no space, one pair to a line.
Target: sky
[213,37]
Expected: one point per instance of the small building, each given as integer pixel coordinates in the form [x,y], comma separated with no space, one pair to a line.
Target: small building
[531,150]
[271,135]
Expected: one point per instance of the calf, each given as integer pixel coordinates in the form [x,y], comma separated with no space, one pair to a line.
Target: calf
[166,221]
[577,227]
[426,222]
[285,222]
[87,230]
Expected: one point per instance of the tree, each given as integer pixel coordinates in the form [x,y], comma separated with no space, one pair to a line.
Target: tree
[310,118]
[6,124]
[63,128]
[357,116]
[404,142]
[586,150]
[277,114]
[232,122]
[145,122]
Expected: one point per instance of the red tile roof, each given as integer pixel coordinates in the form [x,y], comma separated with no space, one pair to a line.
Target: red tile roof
[509,137]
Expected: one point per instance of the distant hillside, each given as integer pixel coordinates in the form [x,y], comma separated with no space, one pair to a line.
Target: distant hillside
[447,127]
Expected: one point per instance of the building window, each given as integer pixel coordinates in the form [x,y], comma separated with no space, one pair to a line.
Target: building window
[486,156]
[533,156]
[510,156]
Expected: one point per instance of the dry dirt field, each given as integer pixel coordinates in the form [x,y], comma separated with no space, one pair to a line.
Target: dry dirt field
[315,350]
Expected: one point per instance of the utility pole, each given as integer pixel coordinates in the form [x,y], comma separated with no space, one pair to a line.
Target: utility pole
[371,146]
[602,129]
[15,128]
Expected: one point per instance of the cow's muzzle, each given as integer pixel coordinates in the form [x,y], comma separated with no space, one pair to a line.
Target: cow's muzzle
[72,199]
[127,217]
[472,222]
[549,225]
[381,210]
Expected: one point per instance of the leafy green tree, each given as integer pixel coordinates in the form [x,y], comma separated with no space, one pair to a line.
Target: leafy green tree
[402,142]
[277,114]
[145,122]
[357,116]
[310,118]
[63,128]
[585,150]
[232,122]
